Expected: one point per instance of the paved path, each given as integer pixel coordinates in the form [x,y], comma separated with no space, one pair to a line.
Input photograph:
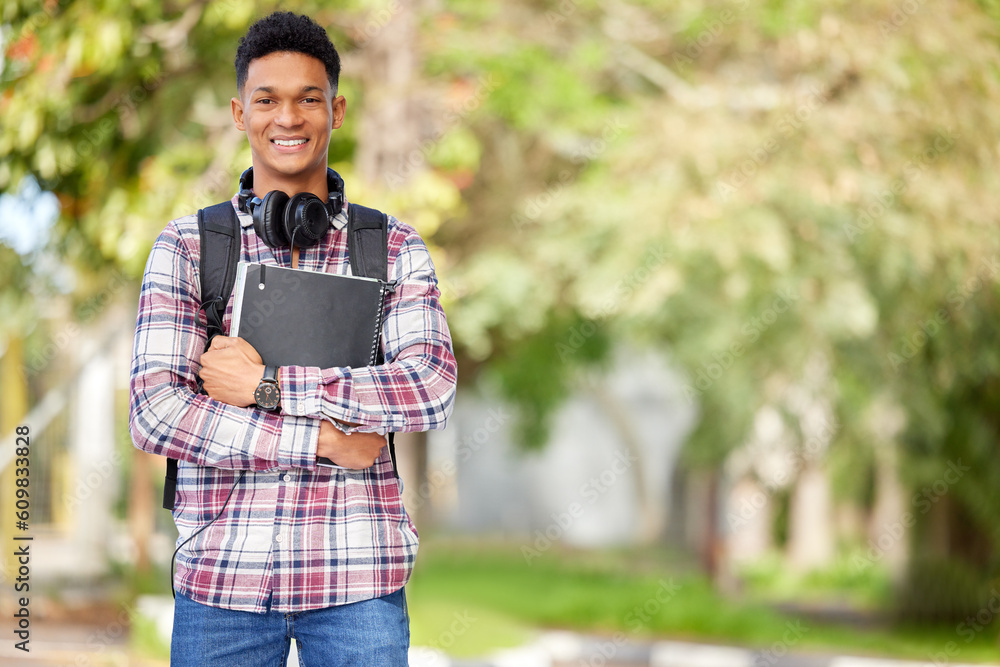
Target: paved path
[564,649]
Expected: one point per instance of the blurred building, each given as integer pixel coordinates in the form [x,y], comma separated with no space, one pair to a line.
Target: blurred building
[604,477]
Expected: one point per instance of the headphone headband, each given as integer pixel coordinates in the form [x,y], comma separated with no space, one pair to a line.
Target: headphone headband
[301,219]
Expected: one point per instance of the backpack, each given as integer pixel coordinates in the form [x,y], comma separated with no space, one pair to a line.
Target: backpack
[219,230]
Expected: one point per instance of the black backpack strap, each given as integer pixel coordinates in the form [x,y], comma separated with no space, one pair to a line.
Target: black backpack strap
[368,242]
[170,485]
[219,232]
[219,229]
[368,251]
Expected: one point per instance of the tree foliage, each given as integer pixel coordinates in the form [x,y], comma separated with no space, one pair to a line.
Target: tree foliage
[784,196]
[761,191]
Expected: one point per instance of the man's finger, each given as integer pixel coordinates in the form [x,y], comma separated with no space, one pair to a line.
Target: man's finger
[220,343]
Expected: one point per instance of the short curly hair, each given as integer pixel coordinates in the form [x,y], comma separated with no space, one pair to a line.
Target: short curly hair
[285,31]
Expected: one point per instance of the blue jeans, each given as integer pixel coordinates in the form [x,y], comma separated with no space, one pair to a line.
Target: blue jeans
[372,632]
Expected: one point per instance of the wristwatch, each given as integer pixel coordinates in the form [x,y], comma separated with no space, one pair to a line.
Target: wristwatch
[268,394]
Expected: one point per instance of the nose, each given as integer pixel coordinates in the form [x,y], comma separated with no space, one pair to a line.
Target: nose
[288,116]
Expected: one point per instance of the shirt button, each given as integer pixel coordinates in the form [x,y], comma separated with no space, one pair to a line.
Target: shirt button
[300,408]
[284,478]
[278,538]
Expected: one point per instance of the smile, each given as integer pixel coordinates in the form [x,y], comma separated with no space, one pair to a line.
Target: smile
[290,142]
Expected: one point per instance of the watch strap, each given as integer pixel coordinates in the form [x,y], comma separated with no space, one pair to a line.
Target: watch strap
[270,374]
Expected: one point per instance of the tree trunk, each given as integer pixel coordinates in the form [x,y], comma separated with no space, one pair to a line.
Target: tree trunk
[389,132]
[810,533]
[650,516]
[712,550]
[141,507]
[418,494]
[889,507]
[13,408]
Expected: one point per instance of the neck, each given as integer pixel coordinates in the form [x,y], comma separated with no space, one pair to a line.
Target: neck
[314,182]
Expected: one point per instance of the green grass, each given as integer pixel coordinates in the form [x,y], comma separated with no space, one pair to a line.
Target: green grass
[462,629]
[768,579]
[642,594]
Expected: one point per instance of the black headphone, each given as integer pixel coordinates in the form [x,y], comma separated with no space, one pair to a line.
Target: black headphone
[282,221]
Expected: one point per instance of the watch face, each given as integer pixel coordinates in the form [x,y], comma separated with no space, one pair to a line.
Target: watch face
[267,395]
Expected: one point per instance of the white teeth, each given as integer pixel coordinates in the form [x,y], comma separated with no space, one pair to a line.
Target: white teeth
[293,142]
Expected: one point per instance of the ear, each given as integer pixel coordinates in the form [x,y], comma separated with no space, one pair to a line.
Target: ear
[339,111]
[237,106]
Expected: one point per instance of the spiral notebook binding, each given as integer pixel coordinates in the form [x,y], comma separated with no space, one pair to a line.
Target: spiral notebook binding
[384,288]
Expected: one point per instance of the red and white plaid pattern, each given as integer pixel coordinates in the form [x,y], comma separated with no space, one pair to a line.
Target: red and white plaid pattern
[310,536]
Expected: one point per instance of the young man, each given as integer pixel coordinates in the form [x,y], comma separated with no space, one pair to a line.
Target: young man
[298,550]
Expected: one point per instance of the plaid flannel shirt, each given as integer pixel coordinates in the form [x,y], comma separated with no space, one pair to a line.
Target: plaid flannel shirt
[307,537]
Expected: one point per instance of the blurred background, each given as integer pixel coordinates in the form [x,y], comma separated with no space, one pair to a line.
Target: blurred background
[722,279]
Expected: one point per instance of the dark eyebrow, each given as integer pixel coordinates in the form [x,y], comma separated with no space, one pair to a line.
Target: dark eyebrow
[271,91]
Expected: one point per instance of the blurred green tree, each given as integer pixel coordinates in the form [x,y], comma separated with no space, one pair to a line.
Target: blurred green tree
[793,200]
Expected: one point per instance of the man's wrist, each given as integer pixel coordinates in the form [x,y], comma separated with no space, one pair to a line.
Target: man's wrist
[259,372]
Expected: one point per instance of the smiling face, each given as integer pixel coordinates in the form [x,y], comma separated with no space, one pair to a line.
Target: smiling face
[288,110]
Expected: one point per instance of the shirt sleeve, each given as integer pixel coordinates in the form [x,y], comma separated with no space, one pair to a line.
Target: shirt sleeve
[414,390]
[166,414]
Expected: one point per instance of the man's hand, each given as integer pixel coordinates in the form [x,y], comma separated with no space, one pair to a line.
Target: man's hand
[231,370]
[356,451]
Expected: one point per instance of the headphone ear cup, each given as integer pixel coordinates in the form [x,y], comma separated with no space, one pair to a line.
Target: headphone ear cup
[268,217]
[306,219]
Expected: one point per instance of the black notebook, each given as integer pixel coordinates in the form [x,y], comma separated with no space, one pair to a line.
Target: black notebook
[294,317]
